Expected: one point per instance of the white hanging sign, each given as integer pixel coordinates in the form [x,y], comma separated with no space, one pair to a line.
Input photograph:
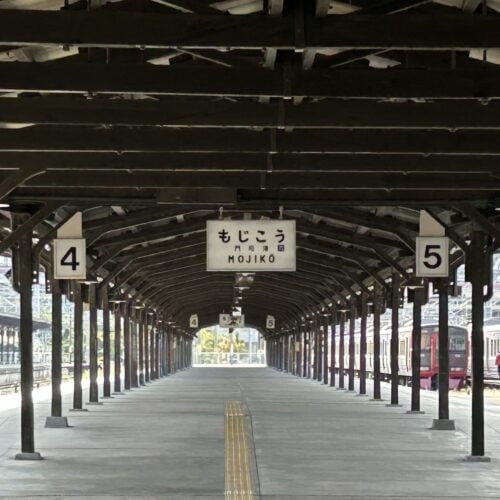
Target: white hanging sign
[228,321]
[193,321]
[251,245]
[270,322]
[432,257]
[70,259]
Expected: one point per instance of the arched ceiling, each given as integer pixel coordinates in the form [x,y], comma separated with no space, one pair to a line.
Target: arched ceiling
[246,109]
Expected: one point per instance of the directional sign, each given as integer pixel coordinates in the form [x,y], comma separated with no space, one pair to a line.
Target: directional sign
[228,321]
[432,257]
[70,259]
[270,322]
[251,245]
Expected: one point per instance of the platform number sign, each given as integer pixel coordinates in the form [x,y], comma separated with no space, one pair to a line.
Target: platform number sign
[270,322]
[70,259]
[432,257]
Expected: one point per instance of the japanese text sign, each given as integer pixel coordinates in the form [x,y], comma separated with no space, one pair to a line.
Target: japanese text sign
[251,245]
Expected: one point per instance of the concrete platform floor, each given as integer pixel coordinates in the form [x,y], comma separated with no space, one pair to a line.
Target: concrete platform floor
[166,441]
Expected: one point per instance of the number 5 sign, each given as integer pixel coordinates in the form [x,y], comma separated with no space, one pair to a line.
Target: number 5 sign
[432,257]
[70,259]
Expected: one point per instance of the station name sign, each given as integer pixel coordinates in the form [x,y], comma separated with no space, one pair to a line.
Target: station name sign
[251,245]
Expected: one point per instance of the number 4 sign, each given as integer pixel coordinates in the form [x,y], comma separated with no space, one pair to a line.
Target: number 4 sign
[432,257]
[70,259]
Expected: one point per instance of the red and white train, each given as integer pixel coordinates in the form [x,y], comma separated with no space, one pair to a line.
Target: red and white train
[429,354]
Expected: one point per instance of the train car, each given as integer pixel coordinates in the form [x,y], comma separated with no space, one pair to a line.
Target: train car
[491,332]
[429,354]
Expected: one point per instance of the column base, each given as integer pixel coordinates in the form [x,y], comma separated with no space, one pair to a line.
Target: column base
[476,458]
[28,456]
[415,412]
[361,395]
[118,393]
[77,409]
[378,400]
[56,423]
[394,405]
[107,397]
[443,425]
[94,403]
[340,389]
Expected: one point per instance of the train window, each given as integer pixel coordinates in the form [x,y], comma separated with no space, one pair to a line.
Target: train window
[456,343]
[402,347]
[425,342]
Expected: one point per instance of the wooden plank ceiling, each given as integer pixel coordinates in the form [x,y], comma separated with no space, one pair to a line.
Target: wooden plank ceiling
[155,116]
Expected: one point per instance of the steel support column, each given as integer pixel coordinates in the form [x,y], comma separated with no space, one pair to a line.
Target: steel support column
[78,347]
[152,351]
[377,305]
[309,354]
[117,386]
[319,339]
[443,422]
[304,355]
[141,348]
[341,350]
[106,342]
[362,345]
[146,348]
[134,378]
[26,346]
[333,363]
[352,326]
[126,347]
[416,347]
[396,279]
[93,388]
[157,352]
[56,403]
[476,271]
[325,351]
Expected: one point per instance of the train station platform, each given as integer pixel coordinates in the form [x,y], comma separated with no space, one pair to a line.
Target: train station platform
[204,431]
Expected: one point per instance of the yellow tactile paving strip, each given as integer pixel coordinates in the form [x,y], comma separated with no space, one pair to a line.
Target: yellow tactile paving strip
[238,477]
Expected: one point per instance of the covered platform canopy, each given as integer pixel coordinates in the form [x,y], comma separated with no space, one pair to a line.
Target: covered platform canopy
[152,118]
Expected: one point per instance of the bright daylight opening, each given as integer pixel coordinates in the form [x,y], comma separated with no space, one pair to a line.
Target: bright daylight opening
[238,347]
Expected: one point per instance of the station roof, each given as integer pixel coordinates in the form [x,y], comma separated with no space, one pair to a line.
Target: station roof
[153,117]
